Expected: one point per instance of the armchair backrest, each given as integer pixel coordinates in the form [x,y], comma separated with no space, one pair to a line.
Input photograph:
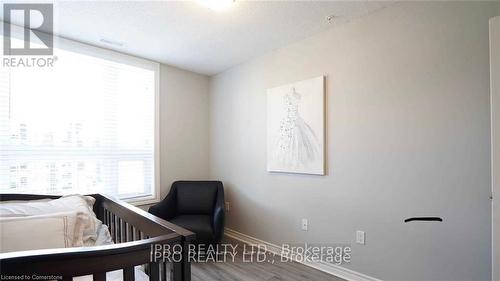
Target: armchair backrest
[195,197]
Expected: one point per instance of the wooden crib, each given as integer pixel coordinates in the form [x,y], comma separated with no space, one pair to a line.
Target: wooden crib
[135,233]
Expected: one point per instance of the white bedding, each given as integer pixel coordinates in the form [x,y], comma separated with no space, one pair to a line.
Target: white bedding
[56,230]
[68,203]
[94,233]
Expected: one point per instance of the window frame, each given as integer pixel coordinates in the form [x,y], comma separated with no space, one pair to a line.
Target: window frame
[111,55]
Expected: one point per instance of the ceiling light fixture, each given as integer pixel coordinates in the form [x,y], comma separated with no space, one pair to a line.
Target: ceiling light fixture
[217,5]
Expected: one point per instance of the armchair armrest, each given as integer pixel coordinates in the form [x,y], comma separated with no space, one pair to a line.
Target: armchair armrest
[166,208]
[218,217]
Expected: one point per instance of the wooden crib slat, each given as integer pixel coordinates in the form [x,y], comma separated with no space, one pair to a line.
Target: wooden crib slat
[116,228]
[128,233]
[122,231]
[119,230]
[113,227]
[128,274]
[154,271]
[166,271]
[137,235]
[110,224]
[160,271]
[101,276]
[108,217]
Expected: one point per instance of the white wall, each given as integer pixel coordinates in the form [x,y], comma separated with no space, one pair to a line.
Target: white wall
[495,117]
[408,132]
[183,126]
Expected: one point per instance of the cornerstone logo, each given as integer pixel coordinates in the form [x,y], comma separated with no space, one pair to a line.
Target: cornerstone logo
[43,31]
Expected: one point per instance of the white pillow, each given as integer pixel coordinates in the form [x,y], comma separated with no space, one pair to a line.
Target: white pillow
[103,237]
[59,230]
[70,203]
[25,201]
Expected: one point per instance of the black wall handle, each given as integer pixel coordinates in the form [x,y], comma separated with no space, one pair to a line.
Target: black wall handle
[424,219]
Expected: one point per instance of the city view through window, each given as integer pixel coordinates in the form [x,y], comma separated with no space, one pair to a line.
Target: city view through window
[85,125]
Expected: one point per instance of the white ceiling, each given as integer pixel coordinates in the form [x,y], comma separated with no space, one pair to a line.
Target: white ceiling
[193,37]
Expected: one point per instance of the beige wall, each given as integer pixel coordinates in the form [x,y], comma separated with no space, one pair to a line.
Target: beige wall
[408,132]
[183,126]
[495,109]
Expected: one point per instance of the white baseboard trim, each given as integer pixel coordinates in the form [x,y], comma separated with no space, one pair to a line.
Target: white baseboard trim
[339,271]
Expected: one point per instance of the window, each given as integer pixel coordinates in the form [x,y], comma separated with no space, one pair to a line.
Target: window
[86,125]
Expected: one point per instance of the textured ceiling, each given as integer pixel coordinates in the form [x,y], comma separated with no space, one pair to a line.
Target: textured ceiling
[190,36]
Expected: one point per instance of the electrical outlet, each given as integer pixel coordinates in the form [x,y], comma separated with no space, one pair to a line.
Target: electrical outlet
[360,237]
[227,206]
[304,224]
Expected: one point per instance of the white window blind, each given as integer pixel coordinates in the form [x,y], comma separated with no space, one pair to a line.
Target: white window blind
[86,125]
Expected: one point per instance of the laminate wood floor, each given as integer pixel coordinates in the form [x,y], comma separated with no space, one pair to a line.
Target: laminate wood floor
[242,270]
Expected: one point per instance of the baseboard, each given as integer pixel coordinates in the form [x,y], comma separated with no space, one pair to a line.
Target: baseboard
[339,271]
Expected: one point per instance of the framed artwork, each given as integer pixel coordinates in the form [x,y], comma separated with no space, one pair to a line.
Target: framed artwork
[296,127]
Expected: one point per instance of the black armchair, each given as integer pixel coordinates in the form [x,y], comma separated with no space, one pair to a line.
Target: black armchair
[197,206]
